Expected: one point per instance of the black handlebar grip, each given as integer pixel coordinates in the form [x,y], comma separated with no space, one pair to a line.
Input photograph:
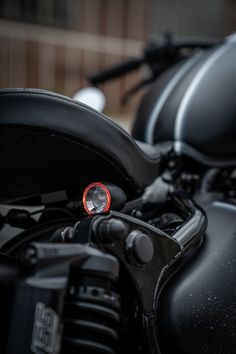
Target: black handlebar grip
[115,71]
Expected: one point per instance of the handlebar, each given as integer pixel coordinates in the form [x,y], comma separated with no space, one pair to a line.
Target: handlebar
[165,55]
[116,71]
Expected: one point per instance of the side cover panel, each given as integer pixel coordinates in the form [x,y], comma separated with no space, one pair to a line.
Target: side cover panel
[197,309]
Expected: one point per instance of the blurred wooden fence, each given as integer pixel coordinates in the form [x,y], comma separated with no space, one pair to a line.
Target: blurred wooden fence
[59,58]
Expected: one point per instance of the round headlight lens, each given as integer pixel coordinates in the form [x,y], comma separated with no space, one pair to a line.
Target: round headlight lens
[96,198]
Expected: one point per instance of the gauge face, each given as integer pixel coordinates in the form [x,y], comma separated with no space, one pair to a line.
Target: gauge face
[96,198]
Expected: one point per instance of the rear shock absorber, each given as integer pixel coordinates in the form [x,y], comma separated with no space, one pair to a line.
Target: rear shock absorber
[92,308]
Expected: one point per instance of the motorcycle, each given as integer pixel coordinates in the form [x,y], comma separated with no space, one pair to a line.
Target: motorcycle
[128,245]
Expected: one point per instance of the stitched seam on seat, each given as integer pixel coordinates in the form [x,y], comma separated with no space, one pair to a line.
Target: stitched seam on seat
[13,92]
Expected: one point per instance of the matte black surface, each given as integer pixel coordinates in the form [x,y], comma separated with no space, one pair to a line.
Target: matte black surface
[165,120]
[32,307]
[206,94]
[49,142]
[147,105]
[140,247]
[197,309]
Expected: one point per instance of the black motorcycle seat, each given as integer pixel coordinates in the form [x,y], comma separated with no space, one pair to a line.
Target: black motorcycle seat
[49,141]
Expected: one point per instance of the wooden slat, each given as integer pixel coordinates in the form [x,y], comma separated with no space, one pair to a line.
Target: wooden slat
[60,69]
[61,60]
[138,20]
[46,66]
[73,79]
[114,18]
[112,88]
[32,57]
[4,62]
[84,41]
[91,16]
[18,54]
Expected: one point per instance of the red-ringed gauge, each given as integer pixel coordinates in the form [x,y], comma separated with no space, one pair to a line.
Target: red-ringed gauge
[96,198]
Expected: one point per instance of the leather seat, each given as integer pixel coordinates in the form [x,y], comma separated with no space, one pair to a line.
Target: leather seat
[49,142]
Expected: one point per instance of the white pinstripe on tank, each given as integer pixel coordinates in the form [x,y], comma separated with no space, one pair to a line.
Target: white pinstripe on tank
[182,111]
[231,38]
[150,129]
[226,205]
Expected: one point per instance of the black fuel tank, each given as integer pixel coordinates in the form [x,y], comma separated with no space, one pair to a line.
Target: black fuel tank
[197,309]
[193,106]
